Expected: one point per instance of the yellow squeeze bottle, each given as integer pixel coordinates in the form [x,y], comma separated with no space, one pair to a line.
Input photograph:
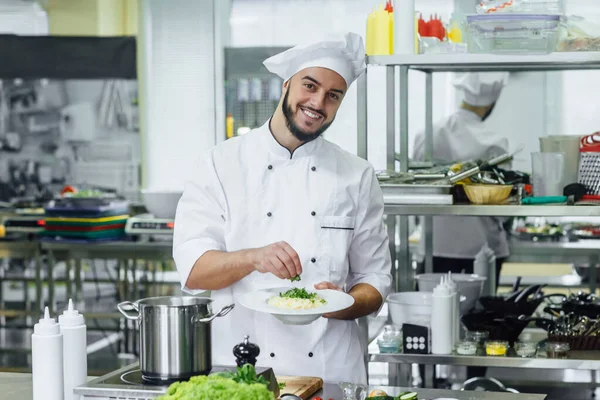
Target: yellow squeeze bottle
[391,31]
[370,33]
[382,38]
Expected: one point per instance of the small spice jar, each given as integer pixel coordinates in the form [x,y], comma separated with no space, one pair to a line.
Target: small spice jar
[557,349]
[478,337]
[526,349]
[467,347]
[496,348]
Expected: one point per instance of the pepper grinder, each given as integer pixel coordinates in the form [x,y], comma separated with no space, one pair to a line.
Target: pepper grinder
[246,352]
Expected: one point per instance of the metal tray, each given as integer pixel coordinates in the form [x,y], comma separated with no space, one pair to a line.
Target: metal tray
[411,189]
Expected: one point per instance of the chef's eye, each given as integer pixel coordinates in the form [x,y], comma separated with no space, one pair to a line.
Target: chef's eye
[334,96]
[309,86]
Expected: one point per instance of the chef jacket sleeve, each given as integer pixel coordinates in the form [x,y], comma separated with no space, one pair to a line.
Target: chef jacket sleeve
[200,219]
[369,255]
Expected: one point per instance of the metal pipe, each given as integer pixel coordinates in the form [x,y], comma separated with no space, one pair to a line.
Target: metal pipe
[104,343]
[390,115]
[428,221]
[362,121]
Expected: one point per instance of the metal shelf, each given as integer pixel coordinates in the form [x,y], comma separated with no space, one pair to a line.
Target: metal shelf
[494,211]
[583,361]
[491,62]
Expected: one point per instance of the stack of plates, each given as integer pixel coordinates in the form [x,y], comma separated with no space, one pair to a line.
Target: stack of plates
[85,219]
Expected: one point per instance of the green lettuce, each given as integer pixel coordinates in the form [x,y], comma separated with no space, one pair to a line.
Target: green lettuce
[214,387]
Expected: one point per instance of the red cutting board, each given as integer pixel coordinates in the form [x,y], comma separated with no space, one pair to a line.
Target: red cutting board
[302,386]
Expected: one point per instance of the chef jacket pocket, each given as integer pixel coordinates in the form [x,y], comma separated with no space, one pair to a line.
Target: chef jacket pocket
[336,236]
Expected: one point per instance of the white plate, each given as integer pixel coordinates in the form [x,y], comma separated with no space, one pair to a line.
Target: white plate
[257,301]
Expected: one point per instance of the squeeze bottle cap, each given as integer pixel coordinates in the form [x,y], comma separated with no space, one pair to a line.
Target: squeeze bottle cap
[71,317]
[47,325]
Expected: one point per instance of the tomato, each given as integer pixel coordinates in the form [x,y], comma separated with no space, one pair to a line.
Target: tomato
[68,189]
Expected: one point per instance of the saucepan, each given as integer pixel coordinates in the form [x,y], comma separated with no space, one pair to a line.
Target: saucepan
[175,338]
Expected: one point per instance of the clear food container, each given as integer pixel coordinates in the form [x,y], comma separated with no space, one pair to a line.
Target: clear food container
[526,349]
[391,340]
[556,7]
[513,33]
[557,349]
[477,336]
[496,348]
[467,348]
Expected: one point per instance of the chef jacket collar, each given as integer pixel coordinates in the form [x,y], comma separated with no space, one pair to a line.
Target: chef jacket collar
[469,115]
[281,152]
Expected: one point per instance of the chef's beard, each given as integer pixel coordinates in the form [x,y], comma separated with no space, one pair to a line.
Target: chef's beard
[298,133]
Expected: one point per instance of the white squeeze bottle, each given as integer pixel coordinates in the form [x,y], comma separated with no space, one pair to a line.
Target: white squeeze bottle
[72,326]
[47,359]
[455,310]
[441,319]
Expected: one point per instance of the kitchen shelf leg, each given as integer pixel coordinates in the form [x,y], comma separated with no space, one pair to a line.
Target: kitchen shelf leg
[39,294]
[362,122]
[404,258]
[428,221]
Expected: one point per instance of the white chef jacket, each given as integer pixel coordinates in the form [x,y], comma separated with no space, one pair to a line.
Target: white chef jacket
[462,137]
[249,192]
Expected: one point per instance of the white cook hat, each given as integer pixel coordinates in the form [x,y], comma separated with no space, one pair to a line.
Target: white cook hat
[481,89]
[344,54]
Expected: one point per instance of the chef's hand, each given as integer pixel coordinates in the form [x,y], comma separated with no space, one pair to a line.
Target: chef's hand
[328,285]
[279,258]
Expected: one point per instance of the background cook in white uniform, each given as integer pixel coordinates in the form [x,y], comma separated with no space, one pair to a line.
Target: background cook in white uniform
[461,137]
[284,182]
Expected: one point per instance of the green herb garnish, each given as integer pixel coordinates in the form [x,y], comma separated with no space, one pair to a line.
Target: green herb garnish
[282,385]
[298,293]
[296,279]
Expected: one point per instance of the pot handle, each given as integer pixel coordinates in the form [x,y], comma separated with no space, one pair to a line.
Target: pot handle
[125,308]
[222,312]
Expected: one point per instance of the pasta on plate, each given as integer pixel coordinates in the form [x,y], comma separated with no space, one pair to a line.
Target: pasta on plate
[296,299]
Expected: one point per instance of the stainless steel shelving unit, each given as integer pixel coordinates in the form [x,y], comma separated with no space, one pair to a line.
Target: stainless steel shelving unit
[582,361]
[397,67]
[495,211]
[428,64]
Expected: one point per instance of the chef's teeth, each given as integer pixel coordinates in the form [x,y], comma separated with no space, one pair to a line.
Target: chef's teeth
[311,114]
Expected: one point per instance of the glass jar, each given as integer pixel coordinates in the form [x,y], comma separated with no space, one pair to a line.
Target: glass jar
[496,348]
[526,349]
[557,349]
[391,340]
[480,338]
[467,347]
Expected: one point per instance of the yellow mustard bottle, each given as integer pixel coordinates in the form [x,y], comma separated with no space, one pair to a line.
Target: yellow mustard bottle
[382,37]
[390,11]
[370,33]
[229,126]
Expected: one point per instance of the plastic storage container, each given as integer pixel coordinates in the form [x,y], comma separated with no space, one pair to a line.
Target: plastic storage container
[391,340]
[496,348]
[521,6]
[513,33]
[526,349]
[410,307]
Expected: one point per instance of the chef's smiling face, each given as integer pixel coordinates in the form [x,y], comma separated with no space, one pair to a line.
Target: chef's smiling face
[311,101]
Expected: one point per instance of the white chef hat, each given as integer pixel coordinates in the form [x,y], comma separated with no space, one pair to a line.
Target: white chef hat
[481,89]
[344,54]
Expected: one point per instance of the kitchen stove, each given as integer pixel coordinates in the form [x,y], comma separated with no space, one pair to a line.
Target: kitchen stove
[127,384]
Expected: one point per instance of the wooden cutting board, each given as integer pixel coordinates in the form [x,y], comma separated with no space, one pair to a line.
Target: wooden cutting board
[302,386]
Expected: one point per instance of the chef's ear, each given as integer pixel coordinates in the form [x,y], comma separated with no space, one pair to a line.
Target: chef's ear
[286,85]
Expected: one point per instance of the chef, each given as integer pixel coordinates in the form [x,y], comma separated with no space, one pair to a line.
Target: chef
[465,136]
[282,201]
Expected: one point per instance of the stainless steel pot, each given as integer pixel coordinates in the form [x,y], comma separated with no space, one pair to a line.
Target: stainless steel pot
[174,335]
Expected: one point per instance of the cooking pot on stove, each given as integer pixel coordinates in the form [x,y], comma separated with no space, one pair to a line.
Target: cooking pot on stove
[175,338]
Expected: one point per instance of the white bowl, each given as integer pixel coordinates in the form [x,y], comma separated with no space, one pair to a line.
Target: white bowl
[161,203]
[470,286]
[410,308]
[257,301]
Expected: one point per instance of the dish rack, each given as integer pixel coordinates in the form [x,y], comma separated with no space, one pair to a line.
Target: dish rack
[589,164]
